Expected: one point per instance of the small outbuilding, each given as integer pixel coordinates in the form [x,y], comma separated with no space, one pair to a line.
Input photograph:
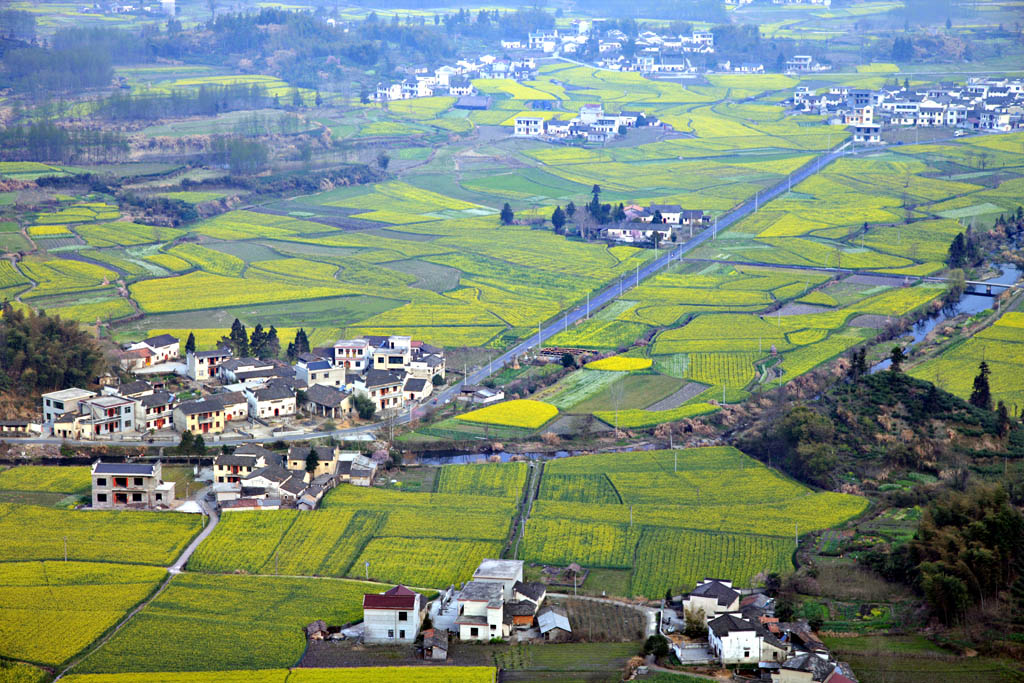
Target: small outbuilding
[435,644]
[317,630]
[554,624]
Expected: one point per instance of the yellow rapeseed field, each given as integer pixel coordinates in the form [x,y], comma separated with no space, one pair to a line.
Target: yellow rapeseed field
[523,413]
[620,364]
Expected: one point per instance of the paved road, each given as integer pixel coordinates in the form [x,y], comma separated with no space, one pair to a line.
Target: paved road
[211,512]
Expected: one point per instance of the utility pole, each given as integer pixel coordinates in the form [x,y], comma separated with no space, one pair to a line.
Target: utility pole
[630,515]
[796,533]
[367,563]
[538,336]
[675,463]
[638,275]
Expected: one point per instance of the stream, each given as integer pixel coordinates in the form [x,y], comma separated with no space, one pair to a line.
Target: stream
[969,303]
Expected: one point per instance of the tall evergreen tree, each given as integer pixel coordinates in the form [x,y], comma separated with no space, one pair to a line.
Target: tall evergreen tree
[558,219]
[981,395]
[272,346]
[570,209]
[238,339]
[1003,419]
[507,215]
[301,342]
[957,252]
[896,358]
[190,343]
[257,340]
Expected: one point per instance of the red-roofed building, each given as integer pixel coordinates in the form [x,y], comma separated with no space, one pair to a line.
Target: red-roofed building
[393,616]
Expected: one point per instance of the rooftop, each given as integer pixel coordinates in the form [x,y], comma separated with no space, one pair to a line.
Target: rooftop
[160,340]
[398,597]
[130,469]
[69,394]
[499,569]
[481,591]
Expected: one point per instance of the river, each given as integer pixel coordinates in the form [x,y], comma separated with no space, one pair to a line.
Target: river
[969,303]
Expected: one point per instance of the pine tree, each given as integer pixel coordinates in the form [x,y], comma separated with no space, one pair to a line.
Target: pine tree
[301,342]
[981,395]
[570,209]
[238,339]
[190,343]
[1003,419]
[507,215]
[257,340]
[272,345]
[957,252]
[896,358]
[558,219]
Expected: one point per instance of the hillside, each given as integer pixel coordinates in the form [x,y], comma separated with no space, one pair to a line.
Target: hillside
[885,432]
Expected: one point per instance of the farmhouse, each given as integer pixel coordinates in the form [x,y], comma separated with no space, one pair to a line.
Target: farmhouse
[156,411]
[528,126]
[714,596]
[481,612]
[130,485]
[506,573]
[393,616]
[383,387]
[97,417]
[202,416]
[246,459]
[204,365]
[328,401]
[273,400]
[481,394]
[435,644]
[735,640]
[162,348]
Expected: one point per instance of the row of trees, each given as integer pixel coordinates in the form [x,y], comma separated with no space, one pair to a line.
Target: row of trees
[260,344]
[45,141]
[42,353]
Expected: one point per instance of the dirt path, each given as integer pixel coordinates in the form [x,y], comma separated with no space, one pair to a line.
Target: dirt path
[17,267]
[172,571]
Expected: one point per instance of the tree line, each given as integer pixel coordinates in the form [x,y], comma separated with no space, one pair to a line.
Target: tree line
[42,353]
[46,141]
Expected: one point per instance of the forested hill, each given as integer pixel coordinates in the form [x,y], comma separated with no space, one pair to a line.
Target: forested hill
[874,431]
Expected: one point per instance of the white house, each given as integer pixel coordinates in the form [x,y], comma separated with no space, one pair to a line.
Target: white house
[503,572]
[482,611]
[714,596]
[204,365]
[393,616]
[735,640]
[56,403]
[320,371]
[273,400]
[162,348]
[529,126]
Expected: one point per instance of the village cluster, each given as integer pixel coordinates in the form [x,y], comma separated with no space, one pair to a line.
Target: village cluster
[995,104]
[497,604]
[592,124]
[228,394]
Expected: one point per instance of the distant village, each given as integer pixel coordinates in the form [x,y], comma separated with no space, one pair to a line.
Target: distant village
[995,104]
[245,396]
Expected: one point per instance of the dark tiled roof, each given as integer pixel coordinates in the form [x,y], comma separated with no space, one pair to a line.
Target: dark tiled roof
[717,590]
[818,667]
[135,387]
[160,340]
[381,378]
[203,405]
[415,384]
[521,608]
[728,623]
[216,353]
[255,449]
[325,395]
[274,473]
[157,398]
[273,392]
[318,365]
[295,485]
[124,468]
[534,590]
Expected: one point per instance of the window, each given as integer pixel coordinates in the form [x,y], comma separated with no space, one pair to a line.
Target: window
[101,481]
[401,634]
[391,633]
[474,632]
[101,498]
[746,654]
[136,497]
[138,481]
[159,496]
[403,616]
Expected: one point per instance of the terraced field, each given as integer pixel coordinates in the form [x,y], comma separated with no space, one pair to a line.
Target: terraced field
[673,517]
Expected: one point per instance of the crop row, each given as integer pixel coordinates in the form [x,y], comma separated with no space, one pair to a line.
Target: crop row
[358,674]
[43,478]
[498,480]
[638,419]
[524,413]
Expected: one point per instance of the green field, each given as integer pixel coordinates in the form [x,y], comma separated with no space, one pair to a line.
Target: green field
[396,532]
[80,599]
[1001,345]
[225,621]
[673,517]
[376,674]
[36,533]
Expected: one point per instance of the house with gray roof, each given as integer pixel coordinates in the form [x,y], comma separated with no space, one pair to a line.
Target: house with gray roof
[130,485]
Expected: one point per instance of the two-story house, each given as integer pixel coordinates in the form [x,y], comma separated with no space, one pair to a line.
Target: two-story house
[482,612]
[328,401]
[354,355]
[394,616]
[201,416]
[505,573]
[162,348]
[383,387]
[56,403]
[714,596]
[97,417]
[155,411]
[229,468]
[124,485]
[204,365]
[320,372]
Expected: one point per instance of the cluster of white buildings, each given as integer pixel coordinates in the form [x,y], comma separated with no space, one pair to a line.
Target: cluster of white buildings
[492,605]
[743,632]
[669,221]
[995,104]
[456,80]
[592,124]
[392,372]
